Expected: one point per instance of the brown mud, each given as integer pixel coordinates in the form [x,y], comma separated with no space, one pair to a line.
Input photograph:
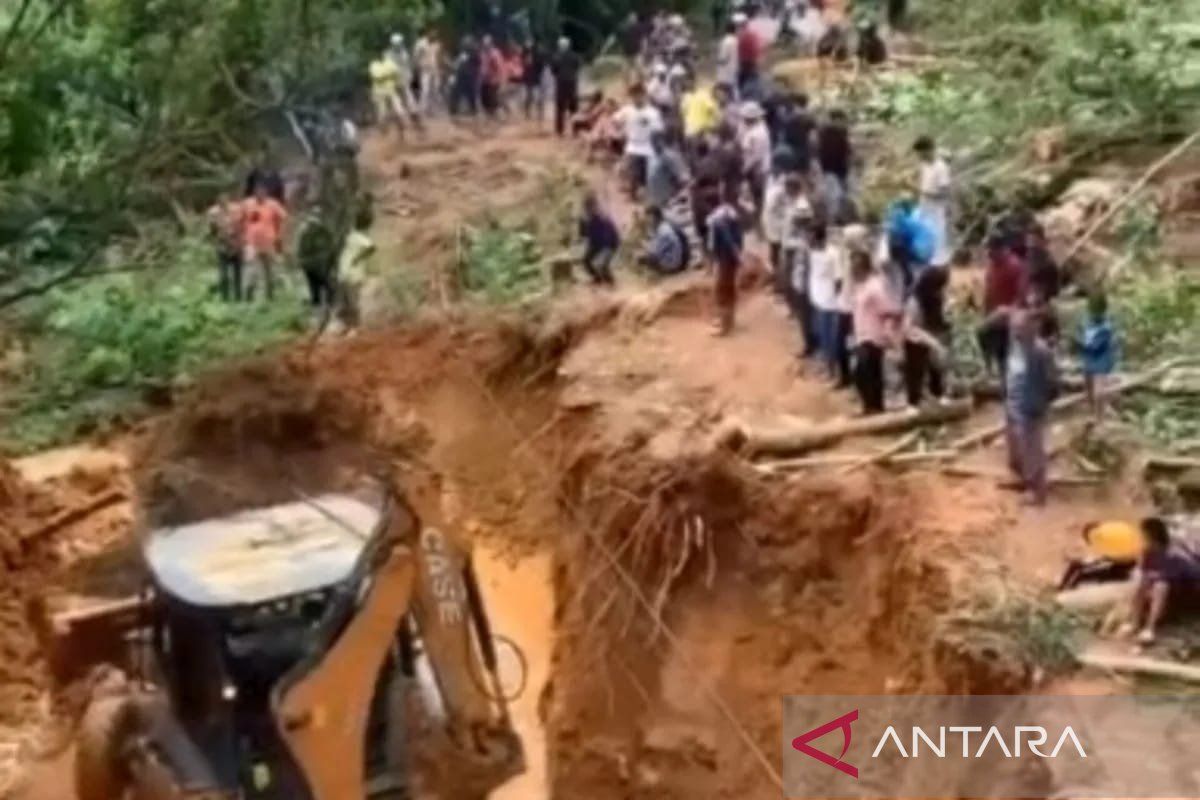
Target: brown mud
[664,595]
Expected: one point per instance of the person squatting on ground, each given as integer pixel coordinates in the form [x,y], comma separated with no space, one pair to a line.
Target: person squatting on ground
[1032,385]
[667,250]
[600,241]
[1168,581]
[725,246]
[225,230]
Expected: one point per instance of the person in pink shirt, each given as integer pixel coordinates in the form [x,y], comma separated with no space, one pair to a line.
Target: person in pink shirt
[875,319]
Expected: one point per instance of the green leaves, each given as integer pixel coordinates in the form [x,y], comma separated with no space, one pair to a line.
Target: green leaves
[501,265]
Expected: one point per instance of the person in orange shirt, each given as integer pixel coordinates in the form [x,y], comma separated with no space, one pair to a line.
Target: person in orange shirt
[263,218]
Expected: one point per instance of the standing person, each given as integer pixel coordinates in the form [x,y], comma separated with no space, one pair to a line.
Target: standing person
[640,121]
[354,265]
[727,57]
[749,55]
[728,153]
[926,334]
[263,218]
[756,153]
[666,172]
[835,156]
[782,195]
[705,187]
[1032,386]
[534,78]
[632,36]
[465,90]
[428,57]
[1004,287]
[910,242]
[875,316]
[398,53]
[317,255]
[1097,347]
[798,252]
[491,77]
[658,90]
[699,108]
[725,244]
[601,240]
[566,67]
[822,294]
[796,131]
[935,192]
[385,80]
[225,230]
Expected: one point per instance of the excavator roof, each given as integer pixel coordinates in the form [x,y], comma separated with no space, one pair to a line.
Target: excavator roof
[262,554]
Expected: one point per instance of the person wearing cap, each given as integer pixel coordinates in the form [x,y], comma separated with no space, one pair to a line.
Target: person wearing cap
[640,121]
[565,67]
[727,52]
[756,152]
[935,188]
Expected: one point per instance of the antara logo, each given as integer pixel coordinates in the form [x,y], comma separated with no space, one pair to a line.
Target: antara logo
[1032,736]
[801,743]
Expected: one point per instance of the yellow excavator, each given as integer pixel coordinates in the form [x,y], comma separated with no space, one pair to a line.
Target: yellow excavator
[330,648]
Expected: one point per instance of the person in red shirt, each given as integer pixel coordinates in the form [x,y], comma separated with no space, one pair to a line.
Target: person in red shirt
[1004,288]
[491,77]
[262,219]
[749,52]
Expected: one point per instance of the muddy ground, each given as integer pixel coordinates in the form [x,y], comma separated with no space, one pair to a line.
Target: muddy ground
[665,594]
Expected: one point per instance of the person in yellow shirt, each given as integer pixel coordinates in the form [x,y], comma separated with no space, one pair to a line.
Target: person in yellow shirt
[700,111]
[1114,548]
[385,77]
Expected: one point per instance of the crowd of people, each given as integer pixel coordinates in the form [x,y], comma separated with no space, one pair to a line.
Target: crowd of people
[711,164]
[725,169]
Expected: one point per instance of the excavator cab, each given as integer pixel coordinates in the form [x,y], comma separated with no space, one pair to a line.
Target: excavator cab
[279,653]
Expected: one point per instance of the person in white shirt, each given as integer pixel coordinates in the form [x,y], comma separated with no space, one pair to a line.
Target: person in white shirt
[935,188]
[658,88]
[727,55]
[781,196]
[796,246]
[822,294]
[640,121]
[756,152]
[428,55]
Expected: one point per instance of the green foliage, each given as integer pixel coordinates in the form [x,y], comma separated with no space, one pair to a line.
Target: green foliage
[501,265]
[1157,314]
[105,343]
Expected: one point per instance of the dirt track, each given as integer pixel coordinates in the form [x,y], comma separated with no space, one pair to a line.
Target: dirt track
[564,436]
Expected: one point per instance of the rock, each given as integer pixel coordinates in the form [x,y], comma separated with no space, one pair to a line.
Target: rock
[694,742]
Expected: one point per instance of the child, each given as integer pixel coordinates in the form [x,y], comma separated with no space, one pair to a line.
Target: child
[1032,384]
[1097,348]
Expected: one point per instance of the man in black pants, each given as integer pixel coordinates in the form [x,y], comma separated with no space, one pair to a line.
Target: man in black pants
[566,84]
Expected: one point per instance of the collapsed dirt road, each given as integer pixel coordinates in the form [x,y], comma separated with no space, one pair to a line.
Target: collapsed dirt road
[664,595]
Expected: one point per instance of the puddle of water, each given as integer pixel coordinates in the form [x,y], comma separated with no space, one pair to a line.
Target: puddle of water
[520,603]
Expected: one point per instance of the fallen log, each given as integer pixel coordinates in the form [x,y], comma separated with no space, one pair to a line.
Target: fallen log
[1166,463]
[898,460]
[1128,384]
[77,514]
[898,447]
[1004,477]
[753,442]
[1139,665]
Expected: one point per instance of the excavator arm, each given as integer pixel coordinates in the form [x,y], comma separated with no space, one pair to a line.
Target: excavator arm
[323,705]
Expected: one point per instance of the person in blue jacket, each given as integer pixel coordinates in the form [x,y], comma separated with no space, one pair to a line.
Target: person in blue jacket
[1097,348]
[910,241]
